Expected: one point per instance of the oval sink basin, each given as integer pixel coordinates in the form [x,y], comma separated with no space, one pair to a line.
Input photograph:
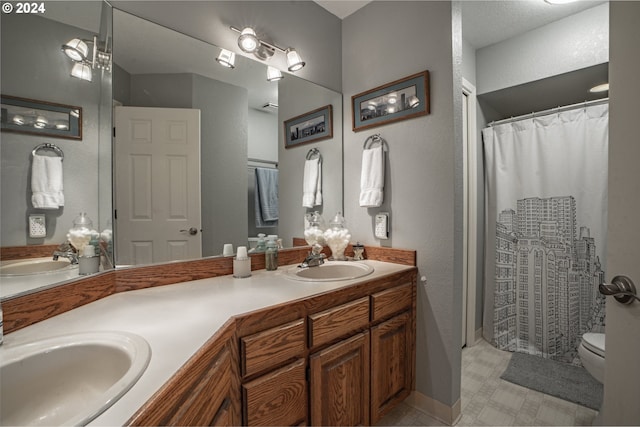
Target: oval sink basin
[71,379]
[36,266]
[331,271]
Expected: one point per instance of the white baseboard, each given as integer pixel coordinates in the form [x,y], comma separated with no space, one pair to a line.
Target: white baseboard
[434,408]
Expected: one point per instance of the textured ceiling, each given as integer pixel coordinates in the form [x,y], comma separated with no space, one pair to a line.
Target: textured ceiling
[487,22]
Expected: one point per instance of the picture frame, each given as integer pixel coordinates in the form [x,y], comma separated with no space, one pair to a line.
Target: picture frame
[42,118]
[309,127]
[392,102]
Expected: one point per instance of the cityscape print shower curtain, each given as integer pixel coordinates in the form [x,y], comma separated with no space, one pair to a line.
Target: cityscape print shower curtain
[546,219]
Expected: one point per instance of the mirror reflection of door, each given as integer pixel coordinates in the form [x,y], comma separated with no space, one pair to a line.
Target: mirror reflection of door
[157,185]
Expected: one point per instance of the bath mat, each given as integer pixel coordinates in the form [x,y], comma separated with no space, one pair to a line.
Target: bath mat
[568,382]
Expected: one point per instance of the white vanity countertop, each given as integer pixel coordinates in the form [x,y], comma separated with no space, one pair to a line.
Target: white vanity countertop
[176,320]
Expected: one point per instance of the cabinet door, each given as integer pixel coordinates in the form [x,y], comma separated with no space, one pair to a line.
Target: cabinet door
[278,398]
[200,395]
[391,366]
[339,383]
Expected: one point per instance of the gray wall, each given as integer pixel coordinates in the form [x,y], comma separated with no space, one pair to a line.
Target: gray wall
[572,43]
[291,160]
[423,176]
[44,74]
[223,148]
[303,25]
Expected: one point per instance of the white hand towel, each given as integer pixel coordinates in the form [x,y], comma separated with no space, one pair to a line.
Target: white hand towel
[372,177]
[312,183]
[46,182]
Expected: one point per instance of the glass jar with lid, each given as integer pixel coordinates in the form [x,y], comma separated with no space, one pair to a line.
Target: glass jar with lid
[337,237]
[314,228]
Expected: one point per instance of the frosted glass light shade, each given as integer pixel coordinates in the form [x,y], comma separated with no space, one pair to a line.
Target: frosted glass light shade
[82,71]
[248,41]
[273,74]
[76,49]
[294,61]
[227,58]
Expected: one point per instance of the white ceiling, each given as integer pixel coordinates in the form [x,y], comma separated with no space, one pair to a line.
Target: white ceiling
[487,22]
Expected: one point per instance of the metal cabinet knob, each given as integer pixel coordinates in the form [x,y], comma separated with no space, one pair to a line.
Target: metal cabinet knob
[192,231]
[621,288]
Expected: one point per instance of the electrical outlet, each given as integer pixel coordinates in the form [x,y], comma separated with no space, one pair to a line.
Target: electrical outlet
[382,225]
[37,226]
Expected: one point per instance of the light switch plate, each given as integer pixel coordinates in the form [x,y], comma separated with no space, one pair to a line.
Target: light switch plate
[37,226]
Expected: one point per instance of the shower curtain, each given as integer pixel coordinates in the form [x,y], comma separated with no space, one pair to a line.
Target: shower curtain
[546,219]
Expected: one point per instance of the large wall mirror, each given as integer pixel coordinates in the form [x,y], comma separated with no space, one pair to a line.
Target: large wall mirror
[35,68]
[155,70]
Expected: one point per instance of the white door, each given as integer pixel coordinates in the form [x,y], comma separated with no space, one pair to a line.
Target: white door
[157,185]
[622,352]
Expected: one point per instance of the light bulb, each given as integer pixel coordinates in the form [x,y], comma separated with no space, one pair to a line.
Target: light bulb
[248,41]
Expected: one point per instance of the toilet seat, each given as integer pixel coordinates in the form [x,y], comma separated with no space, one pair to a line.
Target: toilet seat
[594,342]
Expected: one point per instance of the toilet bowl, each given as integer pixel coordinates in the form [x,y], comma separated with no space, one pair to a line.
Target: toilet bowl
[591,351]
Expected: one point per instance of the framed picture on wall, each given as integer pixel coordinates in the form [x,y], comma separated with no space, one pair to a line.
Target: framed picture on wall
[40,118]
[399,100]
[313,126]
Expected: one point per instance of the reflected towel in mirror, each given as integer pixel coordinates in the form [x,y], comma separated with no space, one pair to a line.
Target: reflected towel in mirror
[372,177]
[266,197]
[46,182]
[312,183]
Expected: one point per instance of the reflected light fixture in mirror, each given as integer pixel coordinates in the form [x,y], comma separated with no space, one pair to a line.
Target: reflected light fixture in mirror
[78,51]
[273,74]
[413,101]
[227,58]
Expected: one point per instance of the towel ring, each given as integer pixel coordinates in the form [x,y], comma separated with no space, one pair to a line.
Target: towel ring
[49,146]
[368,143]
[312,153]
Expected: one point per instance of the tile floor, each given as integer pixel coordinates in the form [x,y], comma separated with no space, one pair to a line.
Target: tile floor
[489,401]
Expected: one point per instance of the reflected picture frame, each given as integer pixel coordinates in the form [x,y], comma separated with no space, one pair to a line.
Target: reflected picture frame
[392,102]
[309,127]
[42,118]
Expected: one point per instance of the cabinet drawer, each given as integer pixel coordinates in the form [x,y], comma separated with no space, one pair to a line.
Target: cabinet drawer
[271,347]
[391,301]
[278,398]
[338,321]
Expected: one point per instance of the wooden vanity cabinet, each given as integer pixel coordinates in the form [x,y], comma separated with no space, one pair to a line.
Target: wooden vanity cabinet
[201,393]
[344,357]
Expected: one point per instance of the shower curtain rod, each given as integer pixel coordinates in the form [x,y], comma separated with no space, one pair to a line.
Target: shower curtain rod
[550,111]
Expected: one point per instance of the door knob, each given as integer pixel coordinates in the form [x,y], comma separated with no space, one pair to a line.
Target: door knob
[192,231]
[621,288]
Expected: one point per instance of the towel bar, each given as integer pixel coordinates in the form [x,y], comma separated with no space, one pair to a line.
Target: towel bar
[49,146]
[312,153]
[373,139]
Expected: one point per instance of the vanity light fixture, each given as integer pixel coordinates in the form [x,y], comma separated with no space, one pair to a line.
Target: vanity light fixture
[249,42]
[82,71]
[413,101]
[227,58]
[600,88]
[78,51]
[273,74]
[18,120]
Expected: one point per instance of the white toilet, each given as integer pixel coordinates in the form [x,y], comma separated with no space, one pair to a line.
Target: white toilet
[591,351]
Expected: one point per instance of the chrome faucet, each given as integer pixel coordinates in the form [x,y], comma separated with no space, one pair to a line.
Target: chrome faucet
[315,257]
[65,250]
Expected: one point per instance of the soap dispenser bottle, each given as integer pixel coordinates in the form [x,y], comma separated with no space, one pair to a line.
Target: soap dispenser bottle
[271,254]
